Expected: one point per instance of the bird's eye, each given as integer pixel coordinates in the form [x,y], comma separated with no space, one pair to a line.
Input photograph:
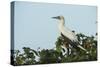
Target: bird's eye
[59,17]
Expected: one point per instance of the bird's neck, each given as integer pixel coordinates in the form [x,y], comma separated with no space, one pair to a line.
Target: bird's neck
[61,25]
[62,22]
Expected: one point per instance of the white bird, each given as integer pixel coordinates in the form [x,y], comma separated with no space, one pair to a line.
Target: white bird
[66,32]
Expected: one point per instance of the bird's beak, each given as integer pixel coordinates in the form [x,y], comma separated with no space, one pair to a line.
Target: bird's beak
[56,17]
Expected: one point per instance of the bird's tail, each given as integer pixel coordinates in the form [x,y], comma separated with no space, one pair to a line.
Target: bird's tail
[82,48]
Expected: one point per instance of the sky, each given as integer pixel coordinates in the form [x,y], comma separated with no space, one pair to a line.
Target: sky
[34,27]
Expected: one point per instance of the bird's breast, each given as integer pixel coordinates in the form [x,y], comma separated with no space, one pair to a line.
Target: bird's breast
[67,33]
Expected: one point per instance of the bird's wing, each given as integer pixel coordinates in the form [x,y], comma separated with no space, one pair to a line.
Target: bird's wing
[69,34]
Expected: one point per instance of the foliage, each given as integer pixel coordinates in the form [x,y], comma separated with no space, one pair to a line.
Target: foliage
[47,56]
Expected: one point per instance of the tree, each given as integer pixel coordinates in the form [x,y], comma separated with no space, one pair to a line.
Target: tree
[47,56]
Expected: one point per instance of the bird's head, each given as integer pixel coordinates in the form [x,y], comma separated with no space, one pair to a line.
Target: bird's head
[58,17]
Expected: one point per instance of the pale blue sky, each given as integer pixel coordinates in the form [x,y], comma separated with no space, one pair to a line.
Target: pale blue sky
[34,27]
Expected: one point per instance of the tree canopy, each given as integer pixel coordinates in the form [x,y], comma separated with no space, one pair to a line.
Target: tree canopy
[48,56]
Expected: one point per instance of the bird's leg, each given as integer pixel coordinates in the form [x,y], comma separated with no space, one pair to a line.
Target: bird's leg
[67,47]
[65,43]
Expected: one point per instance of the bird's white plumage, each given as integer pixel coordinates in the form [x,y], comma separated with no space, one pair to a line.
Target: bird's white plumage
[67,32]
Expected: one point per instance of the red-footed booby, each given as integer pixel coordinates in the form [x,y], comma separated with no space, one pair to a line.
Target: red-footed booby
[66,32]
